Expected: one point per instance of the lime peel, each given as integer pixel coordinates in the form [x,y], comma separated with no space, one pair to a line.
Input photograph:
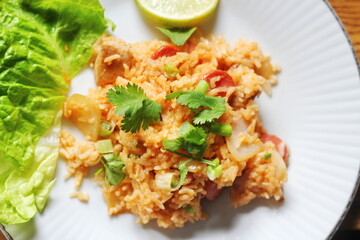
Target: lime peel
[175,13]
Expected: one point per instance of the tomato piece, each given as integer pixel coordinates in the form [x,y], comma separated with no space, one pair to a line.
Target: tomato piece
[220,78]
[212,192]
[165,51]
[189,47]
[279,144]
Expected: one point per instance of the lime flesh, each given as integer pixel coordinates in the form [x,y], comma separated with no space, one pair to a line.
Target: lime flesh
[177,13]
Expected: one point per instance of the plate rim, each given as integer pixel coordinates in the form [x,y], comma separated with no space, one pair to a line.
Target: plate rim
[357,184]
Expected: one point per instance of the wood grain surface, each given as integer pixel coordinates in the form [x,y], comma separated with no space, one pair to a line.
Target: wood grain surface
[349,13]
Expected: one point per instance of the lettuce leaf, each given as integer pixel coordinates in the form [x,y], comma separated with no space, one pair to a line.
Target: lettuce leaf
[43,44]
[26,191]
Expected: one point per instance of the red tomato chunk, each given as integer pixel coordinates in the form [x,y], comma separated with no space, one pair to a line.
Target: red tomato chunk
[220,78]
[279,144]
[165,51]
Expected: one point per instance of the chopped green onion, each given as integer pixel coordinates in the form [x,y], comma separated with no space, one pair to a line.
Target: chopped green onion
[106,129]
[267,156]
[189,209]
[171,70]
[222,129]
[163,180]
[131,155]
[174,181]
[214,172]
[216,161]
[105,146]
[202,86]
[99,171]
[108,157]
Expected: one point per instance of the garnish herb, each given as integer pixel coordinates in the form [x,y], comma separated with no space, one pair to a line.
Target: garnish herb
[183,172]
[105,146]
[171,70]
[208,162]
[214,172]
[178,36]
[189,209]
[99,171]
[222,129]
[132,103]
[174,181]
[113,166]
[196,101]
[191,139]
[202,86]
[132,155]
[267,156]
[106,129]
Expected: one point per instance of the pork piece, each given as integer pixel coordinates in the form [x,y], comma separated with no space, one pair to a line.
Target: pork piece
[111,57]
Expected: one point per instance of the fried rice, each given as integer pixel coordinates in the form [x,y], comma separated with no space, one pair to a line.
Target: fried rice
[245,168]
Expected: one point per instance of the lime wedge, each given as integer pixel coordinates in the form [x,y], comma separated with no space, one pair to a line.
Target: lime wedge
[177,13]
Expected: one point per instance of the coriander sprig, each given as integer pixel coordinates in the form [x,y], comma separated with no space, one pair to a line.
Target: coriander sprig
[192,158]
[178,36]
[206,108]
[113,165]
[132,103]
[193,140]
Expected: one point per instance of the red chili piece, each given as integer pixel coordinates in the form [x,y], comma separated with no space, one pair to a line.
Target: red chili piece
[165,51]
[279,144]
[223,79]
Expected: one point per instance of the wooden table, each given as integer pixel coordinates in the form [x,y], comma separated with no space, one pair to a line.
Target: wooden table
[349,13]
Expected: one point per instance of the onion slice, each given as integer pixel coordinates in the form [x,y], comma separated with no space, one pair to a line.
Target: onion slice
[239,150]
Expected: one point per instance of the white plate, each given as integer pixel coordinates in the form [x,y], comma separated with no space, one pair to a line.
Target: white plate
[315,108]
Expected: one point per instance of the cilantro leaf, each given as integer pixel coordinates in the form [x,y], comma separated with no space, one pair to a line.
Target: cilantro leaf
[196,136]
[208,162]
[192,140]
[125,98]
[179,143]
[135,118]
[214,106]
[207,116]
[174,95]
[183,169]
[173,145]
[132,103]
[178,36]
[195,141]
[114,166]
[195,99]
[195,149]
[183,172]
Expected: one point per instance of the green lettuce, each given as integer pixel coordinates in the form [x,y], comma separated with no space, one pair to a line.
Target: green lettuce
[43,44]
